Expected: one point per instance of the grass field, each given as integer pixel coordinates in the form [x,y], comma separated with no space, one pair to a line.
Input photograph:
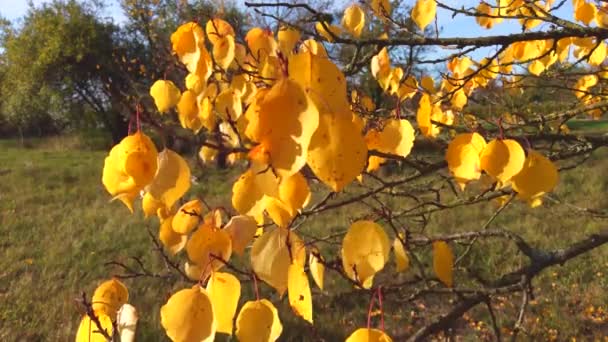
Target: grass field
[58,231]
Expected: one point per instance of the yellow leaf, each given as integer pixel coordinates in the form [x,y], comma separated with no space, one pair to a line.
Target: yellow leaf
[485,10]
[381,8]
[459,99]
[536,67]
[188,316]
[368,335]
[276,329]
[224,51]
[598,55]
[206,114]
[165,94]
[188,217]
[249,191]
[354,20]
[584,84]
[186,41]
[129,167]
[150,205]
[337,151]
[88,331]
[401,258]
[601,16]
[502,159]
[188,111]
[365,250]
[173,241]
[458,66]
[193,271]
[584,12]
[329,33]
[242,230]
[298,290]
[272,254]
[380,66]
[427,83]
[228,104]
[293,192]
[316,267]
[427,112]
[463,157]
[214,218]
[194,83]
[538,176]
[109,296]
[172,179]
[397,137]
[424,12]
[278,212]
[261,43]
[217,29]
[189,44]
[224,290]
[210,248]
[287,122]
[443,262]
[314,47]
[258,321]
[321,80]
[288,38]
[207,154]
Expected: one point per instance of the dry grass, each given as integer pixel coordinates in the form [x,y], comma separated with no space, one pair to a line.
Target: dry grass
[58,230]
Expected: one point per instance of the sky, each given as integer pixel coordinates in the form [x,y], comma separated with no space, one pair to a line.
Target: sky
[459,26]
[15,9]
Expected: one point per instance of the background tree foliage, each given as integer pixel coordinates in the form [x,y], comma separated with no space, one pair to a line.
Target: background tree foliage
[97,80]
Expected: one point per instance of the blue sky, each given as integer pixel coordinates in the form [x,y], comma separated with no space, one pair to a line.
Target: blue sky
[15,9]
[459,26]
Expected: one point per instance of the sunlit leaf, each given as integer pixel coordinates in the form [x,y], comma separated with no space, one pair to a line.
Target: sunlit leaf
[443,262]
[258,321]
[165,94]
[188,316]
[337,152]
[368,335]
[224,290]
[109,296]
[365,250]
[298,289]
[354,20]
[272,253]
[424,12]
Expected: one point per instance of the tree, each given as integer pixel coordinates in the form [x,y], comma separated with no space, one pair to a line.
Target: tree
[47,81]
[279,104]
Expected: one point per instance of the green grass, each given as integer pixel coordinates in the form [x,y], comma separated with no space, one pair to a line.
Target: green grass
[59,229]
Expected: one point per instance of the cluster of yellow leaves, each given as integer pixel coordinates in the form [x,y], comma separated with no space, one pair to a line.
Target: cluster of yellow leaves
[109,305]
[505,161]
[286,102]
[489,14]
[365,251]
[277,257]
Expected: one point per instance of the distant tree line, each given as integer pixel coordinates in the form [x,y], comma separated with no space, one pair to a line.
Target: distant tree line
[65,65]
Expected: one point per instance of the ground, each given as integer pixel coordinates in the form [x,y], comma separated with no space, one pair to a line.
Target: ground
[59,230]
